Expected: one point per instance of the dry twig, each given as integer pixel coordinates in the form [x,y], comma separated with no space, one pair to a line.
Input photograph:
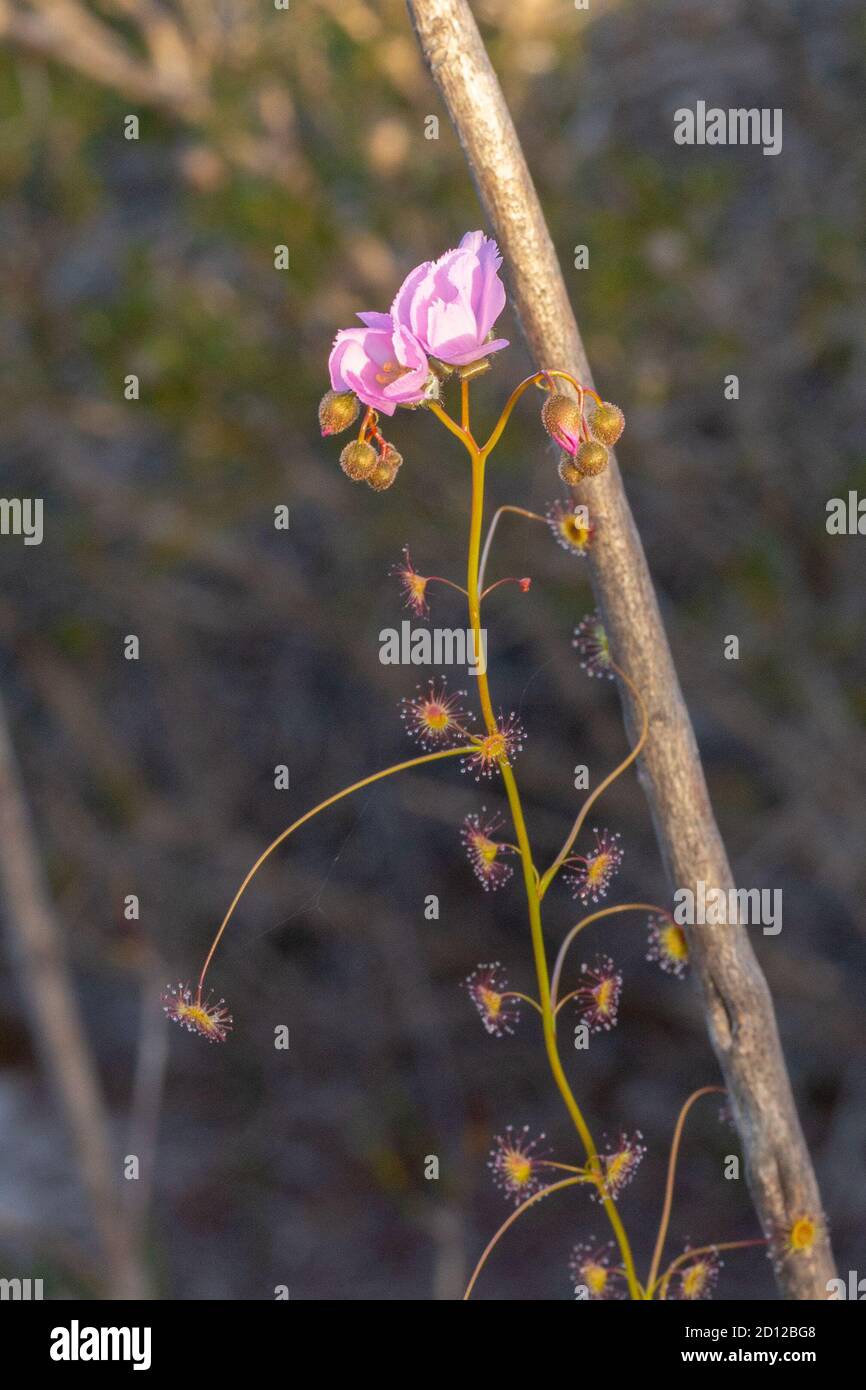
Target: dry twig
[38,948]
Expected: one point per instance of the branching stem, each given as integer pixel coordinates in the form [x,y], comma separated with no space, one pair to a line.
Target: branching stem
[509,1222]
[517,511]
[302,820]
[579,927]
[549,875]
[478,460]
[671,1179]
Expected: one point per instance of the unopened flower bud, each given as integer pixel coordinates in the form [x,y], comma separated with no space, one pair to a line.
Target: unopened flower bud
[568,471]
[358,460]
[337,411]
[591,459]
[607,423]
[560,416]
[385,471]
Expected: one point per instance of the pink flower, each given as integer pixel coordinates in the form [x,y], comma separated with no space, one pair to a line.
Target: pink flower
[451,305]
[382,363]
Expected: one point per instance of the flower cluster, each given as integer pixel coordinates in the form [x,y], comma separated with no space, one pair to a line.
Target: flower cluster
[376,466]
[598,997]
[516,1165]
[440,326]
[592,1274]
[584,441]
[485,853]
[489,749]
[802,1235]
[668,946]
[441,321]
[211,1020]
[590,875]
[414,585]
[433,717]
[593,648]
[498,1007]
[571,527]
[619,1165]
[696,1279]
[795,1241]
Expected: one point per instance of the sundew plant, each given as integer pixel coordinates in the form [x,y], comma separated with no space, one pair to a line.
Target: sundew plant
[438,337]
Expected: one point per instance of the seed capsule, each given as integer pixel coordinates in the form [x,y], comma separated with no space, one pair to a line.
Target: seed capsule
[607,423]
[358,460]
[568,470]
[386,469]
[337,411]
[591,459]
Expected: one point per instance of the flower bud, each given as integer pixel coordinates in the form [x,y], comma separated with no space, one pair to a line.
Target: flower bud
[358,460]
[567,470]
[560,416]
[591,459]
[385,471]
[337,411]
[607,423]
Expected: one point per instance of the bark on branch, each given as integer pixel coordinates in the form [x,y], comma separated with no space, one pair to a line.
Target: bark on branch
[738,1006]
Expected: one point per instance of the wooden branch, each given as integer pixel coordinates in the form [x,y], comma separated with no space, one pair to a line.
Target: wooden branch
[739,1009]
[38,952]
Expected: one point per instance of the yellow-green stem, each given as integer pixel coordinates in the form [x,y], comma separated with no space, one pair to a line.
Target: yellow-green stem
[478,459]
[580,926]
[509,1222]
[652,1278]
[535,379]
[693,1255]
[302,820]
[550,874]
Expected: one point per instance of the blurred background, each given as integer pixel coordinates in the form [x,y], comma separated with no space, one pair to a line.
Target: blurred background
[155,777]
